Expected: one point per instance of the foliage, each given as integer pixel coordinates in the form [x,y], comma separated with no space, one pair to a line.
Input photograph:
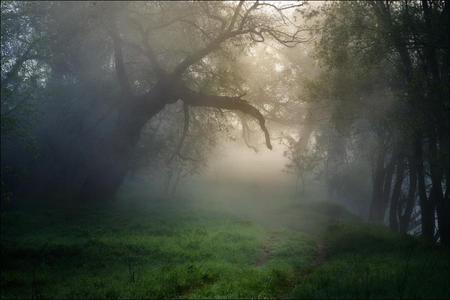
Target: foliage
[87,65]
[380,67]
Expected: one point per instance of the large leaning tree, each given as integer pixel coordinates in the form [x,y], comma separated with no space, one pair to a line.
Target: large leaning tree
[217,24]
[156,54]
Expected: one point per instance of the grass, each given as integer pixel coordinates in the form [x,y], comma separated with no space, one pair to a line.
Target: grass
[143,254]
[369,262]
[177,250]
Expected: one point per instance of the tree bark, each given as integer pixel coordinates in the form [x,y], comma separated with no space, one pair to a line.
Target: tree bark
[375,212]
[112,156]
[436,194]
[394,205]
[438,136]
[426,208]
[389,172]
[405,218]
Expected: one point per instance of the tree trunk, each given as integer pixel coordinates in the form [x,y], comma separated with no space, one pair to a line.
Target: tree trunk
[426,209]
[375,212]
[112,156]
[111,159]
[393,210]
[405,218]
[438,137]
[436,195]
[389,172]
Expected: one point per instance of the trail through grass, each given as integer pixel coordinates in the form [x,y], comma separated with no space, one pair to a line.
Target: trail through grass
[180,250]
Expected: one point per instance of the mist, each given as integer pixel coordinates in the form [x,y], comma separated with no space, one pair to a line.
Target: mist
[224,149]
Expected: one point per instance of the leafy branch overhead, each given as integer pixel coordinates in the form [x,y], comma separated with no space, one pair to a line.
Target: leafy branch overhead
[243,20]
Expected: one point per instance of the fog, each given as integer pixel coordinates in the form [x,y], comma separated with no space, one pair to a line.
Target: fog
[283,132]
[279,98]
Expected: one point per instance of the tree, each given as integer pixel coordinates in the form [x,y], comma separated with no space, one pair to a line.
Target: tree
[22,83]
[128,61]
[383,63]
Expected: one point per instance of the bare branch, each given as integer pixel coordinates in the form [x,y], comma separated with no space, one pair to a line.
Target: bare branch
[246,14]
[246,133]
[147,50]
[235,15]
[214,45]
[205,7]
[196,26]
[286,39]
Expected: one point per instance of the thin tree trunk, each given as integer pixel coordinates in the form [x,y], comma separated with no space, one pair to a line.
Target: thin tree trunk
[437,97]
[436,195]
[426,210]
[405,218]
[377,189]
[389,172]
[393,210]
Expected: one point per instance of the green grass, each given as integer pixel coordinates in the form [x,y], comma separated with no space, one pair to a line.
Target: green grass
[179,250]
[144,254]
[370,262]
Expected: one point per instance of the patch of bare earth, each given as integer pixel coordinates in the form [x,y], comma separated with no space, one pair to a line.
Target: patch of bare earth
[321,254]
[266,250]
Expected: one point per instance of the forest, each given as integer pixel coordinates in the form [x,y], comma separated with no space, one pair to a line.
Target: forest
[224,149]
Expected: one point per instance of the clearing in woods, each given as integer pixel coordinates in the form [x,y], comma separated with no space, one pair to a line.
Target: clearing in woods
[180,249]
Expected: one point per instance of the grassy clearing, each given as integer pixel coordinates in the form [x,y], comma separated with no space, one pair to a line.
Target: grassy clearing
[178,250]
[140,254]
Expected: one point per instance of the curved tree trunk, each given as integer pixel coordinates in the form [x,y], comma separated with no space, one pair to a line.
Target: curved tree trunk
[111,158]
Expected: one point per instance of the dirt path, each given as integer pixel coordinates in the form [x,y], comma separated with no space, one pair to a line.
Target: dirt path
[321,254]
[264,256]
[266,249]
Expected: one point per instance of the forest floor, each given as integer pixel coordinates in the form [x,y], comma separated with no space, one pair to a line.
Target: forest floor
[174,249]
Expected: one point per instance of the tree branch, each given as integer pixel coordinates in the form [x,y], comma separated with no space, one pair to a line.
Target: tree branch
[235,15]
[18,64]
[246,14]
[246,133]
[214,45]
[183,136]
[147,49]
[118,61]
[205,7]
[193,98]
